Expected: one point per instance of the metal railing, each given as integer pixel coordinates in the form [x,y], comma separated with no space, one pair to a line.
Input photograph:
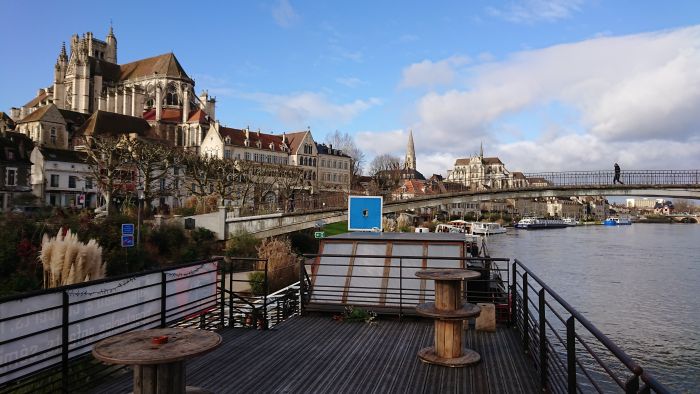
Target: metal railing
[570,354]
[46,336]
[634,177]
[387,284]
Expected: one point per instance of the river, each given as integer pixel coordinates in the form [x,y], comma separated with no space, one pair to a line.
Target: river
[638,284]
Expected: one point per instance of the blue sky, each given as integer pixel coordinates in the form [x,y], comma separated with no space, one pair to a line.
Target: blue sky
[546,85]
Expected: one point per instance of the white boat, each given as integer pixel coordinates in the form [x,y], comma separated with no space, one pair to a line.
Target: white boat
[460,226]
[621,220]
[533,223]
[487,228]
[571,222]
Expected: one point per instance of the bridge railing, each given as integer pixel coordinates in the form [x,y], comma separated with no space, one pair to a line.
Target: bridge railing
[635,177]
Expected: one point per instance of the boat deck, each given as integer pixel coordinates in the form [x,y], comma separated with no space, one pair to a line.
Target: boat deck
[316,354]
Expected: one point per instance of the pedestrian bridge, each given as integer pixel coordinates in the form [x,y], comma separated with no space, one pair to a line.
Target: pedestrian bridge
[657,184]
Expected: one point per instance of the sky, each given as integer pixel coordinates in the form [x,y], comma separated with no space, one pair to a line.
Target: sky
[555,85]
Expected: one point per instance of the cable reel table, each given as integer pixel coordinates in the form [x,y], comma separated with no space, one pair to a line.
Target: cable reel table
[449,311]
[158,367]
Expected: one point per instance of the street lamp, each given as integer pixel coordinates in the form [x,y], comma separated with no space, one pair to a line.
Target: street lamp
[140,196]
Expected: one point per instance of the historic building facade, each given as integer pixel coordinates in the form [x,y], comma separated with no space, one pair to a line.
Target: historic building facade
[479,172]
[15,166]
[156,89]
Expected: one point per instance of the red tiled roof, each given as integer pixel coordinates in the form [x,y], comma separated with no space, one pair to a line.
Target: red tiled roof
[237,138]
[416,187]
[173,115]
[198,116]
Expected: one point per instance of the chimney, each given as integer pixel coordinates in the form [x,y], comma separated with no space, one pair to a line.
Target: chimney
[247,132]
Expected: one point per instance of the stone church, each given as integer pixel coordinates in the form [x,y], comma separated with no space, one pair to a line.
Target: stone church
[157,89]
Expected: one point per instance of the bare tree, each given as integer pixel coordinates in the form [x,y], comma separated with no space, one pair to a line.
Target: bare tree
[154,163]
[346,143]
[287,179]
[200,174]
[108,159]
[385,170]
[224,173]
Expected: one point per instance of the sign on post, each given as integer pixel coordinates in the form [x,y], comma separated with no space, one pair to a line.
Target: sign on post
[127,229]
[365,213]
[128,241]
[319,234]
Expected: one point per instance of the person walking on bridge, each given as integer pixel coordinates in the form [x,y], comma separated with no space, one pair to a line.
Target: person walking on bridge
[617,175]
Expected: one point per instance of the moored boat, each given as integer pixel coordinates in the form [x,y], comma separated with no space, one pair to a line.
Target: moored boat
[533,223]
[487,228]
[571,222]
[621,220]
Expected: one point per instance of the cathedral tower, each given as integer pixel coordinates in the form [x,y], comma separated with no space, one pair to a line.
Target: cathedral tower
[111,52]
[410,162]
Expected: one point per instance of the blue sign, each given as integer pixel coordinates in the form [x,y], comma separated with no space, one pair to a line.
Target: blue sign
[127,229]
[127,241]
[365,213]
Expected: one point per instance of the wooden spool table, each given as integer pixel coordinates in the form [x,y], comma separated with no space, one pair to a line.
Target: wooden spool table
[158,368]
[449,311]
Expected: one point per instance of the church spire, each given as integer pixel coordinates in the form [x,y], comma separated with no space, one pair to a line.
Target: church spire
[410,161]
[481,150]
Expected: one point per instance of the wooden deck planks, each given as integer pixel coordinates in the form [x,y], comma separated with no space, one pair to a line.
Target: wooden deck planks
[319,355]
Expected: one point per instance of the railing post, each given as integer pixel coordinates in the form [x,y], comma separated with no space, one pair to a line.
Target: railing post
[513,297]
[543,342]
[632,385]
[267,290]
[222,300]
[571,353]
[400,287]
[302,284]
[65,338]
[526,323]
[163,295]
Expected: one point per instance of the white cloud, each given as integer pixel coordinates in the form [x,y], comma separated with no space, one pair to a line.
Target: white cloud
[375,143]
[430,74]
[575,152]
[284,13]
[299,109]
[532,11]
[631,99]
[628,88]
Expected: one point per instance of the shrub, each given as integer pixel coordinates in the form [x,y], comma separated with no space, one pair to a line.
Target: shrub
[281,262]
[242,244]
[184,211]
[257,282]
[168,239]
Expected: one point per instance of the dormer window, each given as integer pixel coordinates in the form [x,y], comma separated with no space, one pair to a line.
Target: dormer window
[258,144]
[272,146]
[227,140]
[246,142]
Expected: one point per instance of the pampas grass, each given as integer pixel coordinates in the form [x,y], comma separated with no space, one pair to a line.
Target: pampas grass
[66,260]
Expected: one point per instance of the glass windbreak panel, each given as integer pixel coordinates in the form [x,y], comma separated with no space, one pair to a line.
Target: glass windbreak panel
[367,275]
[329,281]
[403,286]
[442,250]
